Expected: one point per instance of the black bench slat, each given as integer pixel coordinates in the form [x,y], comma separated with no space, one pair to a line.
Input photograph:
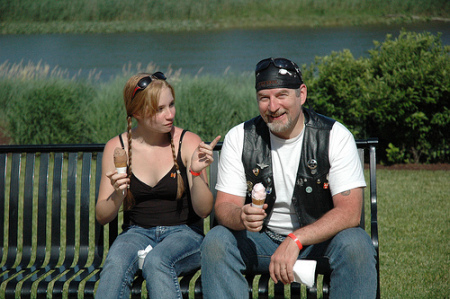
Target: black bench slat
[99,250]
[55,248]
[99,232]
[27,236]
[85,199]
[70,206]
[263,286]
[42,206]
[373,208]
[2,205]
[13,211]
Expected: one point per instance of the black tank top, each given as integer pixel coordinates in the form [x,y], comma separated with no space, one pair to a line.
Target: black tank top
[157,205]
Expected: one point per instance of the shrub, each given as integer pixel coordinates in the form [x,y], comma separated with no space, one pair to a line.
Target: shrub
[409,96]
[210,106]
[336,88]
[106,115]
[399,94]
[50,112]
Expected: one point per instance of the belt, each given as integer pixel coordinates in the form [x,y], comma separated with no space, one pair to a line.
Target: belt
[276,237]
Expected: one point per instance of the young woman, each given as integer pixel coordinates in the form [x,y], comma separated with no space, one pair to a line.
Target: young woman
[164,194]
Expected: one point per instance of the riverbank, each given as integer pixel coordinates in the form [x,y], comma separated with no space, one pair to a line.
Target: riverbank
[86,27]
[118,16]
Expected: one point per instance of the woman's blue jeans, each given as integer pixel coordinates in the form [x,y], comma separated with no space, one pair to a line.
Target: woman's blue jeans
[227,255]
[176,251]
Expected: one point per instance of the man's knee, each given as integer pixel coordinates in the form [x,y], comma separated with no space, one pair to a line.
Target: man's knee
[216,243]
[355,246]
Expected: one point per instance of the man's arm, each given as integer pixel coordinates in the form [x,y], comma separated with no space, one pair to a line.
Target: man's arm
[232,213]
[345,214]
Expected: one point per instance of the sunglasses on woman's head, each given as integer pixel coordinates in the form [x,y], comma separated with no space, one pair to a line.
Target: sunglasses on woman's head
[144,82]
[281,63]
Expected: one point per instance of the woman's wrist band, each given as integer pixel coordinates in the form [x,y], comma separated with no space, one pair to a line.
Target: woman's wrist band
[194,173]
[296,240]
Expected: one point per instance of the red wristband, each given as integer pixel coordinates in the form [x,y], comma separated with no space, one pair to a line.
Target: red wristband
[194,173]
[296,240]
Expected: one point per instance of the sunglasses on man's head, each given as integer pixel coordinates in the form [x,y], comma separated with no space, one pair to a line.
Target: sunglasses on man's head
[281,63]
[144,82]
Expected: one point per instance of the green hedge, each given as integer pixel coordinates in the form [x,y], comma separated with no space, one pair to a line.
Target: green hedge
[400,94]
[53,111]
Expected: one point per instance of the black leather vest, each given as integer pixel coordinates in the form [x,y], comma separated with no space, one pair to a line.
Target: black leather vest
[311,196]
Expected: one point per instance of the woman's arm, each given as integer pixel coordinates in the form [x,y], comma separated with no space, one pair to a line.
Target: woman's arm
[201,156]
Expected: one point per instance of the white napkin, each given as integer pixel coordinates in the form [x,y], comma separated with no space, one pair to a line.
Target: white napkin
[142,254]
[304,272]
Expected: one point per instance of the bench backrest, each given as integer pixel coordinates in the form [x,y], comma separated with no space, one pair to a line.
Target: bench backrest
[48,193]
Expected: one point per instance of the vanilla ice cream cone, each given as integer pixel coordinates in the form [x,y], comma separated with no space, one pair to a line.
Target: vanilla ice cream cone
[258,195]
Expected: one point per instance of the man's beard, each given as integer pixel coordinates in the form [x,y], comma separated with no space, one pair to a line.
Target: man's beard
[279,127]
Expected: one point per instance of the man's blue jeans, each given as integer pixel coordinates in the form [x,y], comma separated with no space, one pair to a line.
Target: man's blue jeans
[227,254]
[176,251]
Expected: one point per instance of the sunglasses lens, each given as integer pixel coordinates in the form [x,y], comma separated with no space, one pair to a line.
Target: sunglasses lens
[283,63]
[278,62]
[159,75]
[144,82]
[263,64]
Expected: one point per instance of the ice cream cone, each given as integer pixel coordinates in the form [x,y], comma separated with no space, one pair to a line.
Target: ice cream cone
[258,195]
[120,160]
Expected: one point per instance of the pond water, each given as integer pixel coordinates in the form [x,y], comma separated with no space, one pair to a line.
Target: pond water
[212,52]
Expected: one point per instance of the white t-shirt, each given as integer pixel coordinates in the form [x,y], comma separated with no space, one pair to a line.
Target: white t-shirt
[346,171]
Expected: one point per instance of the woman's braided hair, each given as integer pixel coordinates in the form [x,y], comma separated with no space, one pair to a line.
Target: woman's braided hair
[180,183]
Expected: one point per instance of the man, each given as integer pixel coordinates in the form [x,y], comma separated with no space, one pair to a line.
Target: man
[314,180]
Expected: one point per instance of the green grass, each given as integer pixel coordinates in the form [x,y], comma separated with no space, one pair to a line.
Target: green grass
[82,16]
[414,223]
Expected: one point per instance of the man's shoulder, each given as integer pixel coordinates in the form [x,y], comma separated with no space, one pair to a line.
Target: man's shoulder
[317,120]
[236,129]
[341,130]
[234,136]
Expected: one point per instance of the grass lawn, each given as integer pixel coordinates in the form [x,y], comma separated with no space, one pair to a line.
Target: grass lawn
[414,223]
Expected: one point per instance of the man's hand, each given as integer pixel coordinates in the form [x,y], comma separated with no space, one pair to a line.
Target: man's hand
[252,217]
[282,262]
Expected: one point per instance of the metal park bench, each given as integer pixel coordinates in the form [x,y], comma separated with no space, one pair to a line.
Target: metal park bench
[51,244]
